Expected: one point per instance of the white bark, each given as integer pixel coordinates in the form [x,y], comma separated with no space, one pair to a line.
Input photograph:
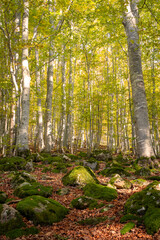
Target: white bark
[22,143]
[48,126]
[144,145]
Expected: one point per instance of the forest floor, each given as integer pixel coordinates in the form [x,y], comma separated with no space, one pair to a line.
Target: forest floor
[69,228]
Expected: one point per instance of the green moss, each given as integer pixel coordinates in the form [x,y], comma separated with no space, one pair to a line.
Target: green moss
[127,227]
[84,202]
[82,154]
[3,197]
[128,217]
[98,191]
[139,181]
[21,232]
[72,157]
[143,172]
[114,170]
[41,210]
[60,168]
[93,221]
[19,178]
[59,237]
[154,178]
[12,163]
[119,182]
[48,159]
[79,176]
[139,202]
[152,220]
[33,189]
[47,169]
[11,222]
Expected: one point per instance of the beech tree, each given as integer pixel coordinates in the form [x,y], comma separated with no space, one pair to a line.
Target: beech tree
[144,144]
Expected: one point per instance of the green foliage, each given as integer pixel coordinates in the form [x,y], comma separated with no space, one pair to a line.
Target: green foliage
[98,191]
[16,233]
[127,227]
[79,176]
[93,221]
[41,210]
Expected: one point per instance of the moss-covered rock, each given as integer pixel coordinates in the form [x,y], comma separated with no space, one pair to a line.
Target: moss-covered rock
[114,170]
[19,232]
[152,220]
[84,202]
[130,217]
[9,219]
[79,176]
[93,221]
[119,182]
[143,172]
[41,210]
[12,163]
[19,178]
[140,182]
[27,189]
[139,202]
[98,191]
[91,163]
[3,197]
[127,227]
[157,178]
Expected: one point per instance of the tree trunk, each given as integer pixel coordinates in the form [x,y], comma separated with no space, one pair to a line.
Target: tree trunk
[22,143]
[48,119]
[144,145]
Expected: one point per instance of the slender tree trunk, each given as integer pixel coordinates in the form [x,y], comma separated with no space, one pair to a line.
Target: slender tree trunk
[144,145]
[48,117]
[22,143]
[40,140]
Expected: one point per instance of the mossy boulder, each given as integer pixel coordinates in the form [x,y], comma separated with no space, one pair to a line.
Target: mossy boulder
[27,189]
[12,163]
[139,182]
[19,232]
[152,220]
[79,176]
[41,210]
[3,197]
[115,170]
[119,182]
[91,163]
[98,191]
[93,221]
[10,219]
[143,172]
[19,178]
[84,202]
[139,202]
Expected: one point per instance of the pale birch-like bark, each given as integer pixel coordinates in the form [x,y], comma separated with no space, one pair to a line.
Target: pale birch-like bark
[48,117]
[40,140]
[22,142]
[144,145]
